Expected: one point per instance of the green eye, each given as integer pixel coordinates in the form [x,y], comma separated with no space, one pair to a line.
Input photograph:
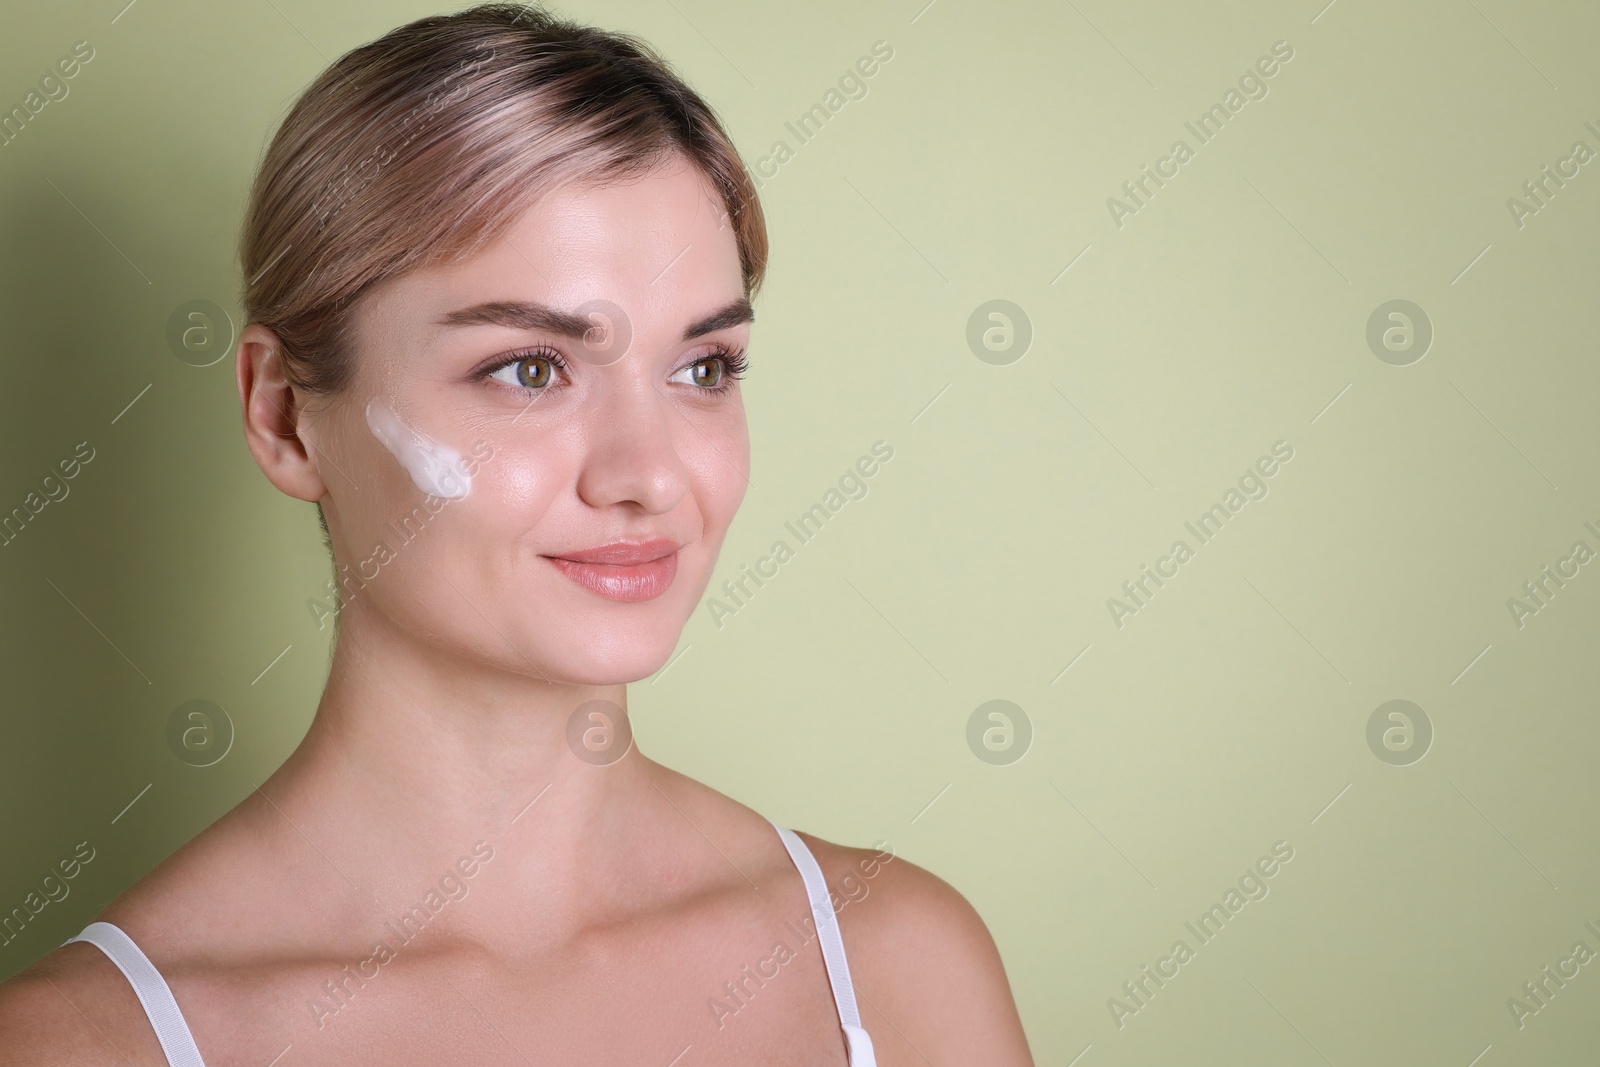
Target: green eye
[709,372]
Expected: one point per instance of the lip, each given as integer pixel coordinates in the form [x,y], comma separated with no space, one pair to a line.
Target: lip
[628,571]
[621,553]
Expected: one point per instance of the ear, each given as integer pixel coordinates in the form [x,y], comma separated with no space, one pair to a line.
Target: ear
[275,427]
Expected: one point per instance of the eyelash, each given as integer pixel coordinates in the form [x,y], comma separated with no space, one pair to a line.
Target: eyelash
[734,362]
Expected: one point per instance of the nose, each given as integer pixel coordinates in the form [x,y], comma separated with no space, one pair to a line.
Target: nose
[633,456]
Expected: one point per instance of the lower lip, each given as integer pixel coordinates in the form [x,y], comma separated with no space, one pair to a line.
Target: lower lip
[641,581]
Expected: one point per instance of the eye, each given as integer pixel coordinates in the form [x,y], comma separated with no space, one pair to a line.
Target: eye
[529,370]
[717,370]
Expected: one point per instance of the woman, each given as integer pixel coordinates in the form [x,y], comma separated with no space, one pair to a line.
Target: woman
[498,276]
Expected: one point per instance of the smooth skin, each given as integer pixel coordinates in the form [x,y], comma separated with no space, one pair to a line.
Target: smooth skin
[619,899]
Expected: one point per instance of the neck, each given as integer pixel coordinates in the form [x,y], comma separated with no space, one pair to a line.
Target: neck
[417,755]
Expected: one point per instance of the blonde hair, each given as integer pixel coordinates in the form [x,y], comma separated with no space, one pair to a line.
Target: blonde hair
[418,147]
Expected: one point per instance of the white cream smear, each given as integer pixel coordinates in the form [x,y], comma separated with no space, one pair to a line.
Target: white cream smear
[435,469]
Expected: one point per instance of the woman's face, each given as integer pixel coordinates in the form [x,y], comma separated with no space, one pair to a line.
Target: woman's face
[486,439]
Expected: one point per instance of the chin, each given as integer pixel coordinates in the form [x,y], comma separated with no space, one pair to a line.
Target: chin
[601,655]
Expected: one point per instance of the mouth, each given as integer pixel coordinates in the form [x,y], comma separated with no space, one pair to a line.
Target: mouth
[622,571]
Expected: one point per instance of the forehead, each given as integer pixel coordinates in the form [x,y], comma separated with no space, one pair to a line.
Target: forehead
[659,246]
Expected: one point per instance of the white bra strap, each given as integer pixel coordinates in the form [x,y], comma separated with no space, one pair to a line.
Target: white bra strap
[858,1043]
[153,992]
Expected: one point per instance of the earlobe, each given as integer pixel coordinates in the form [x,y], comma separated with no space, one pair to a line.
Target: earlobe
[273,423]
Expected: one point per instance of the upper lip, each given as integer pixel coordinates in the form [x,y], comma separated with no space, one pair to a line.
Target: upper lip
[622,553]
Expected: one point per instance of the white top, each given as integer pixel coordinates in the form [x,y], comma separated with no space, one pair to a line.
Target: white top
[178,1043]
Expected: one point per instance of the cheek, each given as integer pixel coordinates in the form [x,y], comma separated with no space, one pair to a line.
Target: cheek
[434,467]
[718,459]
[517,484]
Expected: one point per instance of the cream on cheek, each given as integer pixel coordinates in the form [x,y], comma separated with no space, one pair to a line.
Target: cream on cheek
[434,468]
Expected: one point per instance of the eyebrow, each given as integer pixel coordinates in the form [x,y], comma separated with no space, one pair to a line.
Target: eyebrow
[532,315]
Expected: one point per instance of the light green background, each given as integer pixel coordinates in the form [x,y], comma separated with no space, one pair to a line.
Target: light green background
[1230,312]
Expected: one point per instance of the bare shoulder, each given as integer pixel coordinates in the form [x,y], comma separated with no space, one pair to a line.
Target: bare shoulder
[74,1008]
[74,1005]
[926,969]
